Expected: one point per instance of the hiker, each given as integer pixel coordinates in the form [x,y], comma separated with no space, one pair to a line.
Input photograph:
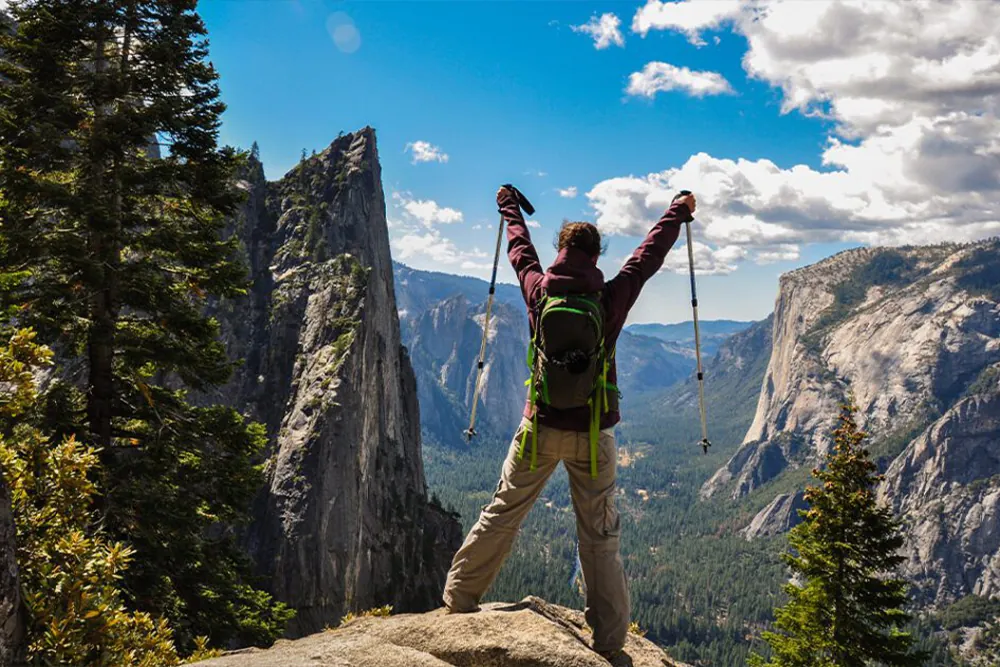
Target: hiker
[581,437]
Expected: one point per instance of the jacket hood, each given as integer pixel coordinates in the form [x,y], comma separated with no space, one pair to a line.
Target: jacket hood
[573,272]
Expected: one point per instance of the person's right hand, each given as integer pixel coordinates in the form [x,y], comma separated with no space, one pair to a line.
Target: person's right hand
[689,200]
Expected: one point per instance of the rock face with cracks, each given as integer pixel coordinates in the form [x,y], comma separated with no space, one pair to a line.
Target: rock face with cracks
[946,487]
[902,330]
[531,633]
[912,335]
[344,522]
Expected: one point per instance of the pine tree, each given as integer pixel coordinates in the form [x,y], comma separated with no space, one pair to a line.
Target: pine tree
[846,610]
[118,250]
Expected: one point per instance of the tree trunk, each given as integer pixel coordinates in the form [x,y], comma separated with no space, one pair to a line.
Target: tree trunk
[11,612]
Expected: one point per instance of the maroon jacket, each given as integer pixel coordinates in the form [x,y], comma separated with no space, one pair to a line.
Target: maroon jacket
[575,272]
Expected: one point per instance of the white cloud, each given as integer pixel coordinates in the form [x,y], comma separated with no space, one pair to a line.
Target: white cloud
[658,77]
[426,211]
[424,151]
[430,245]
[535,172]
[688,17]
[913,90]
[604,29]
[707,261]
[533,223]
[785,252]
[568,193]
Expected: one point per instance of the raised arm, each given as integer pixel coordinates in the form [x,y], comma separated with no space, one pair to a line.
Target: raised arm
[520,249]
[623,289]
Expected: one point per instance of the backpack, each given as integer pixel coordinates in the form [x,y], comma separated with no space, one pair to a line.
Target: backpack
[569,364]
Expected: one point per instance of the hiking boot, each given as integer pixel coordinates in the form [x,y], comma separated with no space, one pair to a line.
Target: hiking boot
[449,610]
[617,658]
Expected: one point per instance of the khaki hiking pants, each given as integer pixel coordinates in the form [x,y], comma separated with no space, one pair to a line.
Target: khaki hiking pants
[598,528]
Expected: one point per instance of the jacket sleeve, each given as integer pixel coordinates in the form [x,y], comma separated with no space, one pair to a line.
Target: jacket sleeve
[521,251]
[624,288]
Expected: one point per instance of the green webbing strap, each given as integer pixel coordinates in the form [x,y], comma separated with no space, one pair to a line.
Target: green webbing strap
[534,427]
[524,436]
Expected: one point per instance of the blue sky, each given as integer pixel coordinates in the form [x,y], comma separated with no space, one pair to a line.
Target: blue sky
[512,92]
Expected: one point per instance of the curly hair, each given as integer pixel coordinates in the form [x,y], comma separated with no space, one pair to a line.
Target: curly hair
[581,235]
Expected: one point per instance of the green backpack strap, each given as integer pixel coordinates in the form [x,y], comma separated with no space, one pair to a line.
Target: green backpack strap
[530,382]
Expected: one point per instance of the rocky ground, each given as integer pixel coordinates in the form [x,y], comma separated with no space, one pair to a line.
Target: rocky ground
[530,633]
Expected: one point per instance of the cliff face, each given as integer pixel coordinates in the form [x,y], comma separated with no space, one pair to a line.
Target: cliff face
[445,340]
[903,331]
[913,335]
[946,487]
[344,522]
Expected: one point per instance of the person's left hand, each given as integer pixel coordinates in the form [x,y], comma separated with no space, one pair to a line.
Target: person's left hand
[504,195]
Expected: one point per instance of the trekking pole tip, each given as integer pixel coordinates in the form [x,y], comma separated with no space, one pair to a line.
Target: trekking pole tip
[469,432]
[705,444]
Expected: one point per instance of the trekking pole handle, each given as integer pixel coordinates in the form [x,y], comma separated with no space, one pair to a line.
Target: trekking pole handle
[682,193]
[522,201]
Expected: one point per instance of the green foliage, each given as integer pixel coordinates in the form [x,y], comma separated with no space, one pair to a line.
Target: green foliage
[970,611]
[114,253]
[70,572]
[843,611]
[987,381]
[377,612]
[979,272]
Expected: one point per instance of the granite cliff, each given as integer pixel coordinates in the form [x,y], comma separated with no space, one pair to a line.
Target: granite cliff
[344,522]
[913,336]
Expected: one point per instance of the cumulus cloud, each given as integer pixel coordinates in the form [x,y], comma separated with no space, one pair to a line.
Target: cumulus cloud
[424,151]
[913,90]
[658,77]
[569,192]
[432,246]
[707,261]
[691,18]
[426,211]
[785,252]
[605,30]
[533,223]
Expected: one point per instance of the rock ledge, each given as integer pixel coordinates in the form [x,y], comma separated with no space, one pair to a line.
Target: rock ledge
[530,633]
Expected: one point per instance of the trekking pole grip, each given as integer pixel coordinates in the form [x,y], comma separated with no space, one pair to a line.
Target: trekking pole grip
[683,193]
[522,201]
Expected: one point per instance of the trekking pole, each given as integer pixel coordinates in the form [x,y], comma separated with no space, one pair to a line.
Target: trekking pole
[523,202]
[705,444]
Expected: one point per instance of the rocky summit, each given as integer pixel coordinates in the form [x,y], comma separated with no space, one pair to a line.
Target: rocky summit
[344,522]
[530,633]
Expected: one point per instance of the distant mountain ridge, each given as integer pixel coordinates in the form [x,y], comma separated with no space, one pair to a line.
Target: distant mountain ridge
[681,334]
